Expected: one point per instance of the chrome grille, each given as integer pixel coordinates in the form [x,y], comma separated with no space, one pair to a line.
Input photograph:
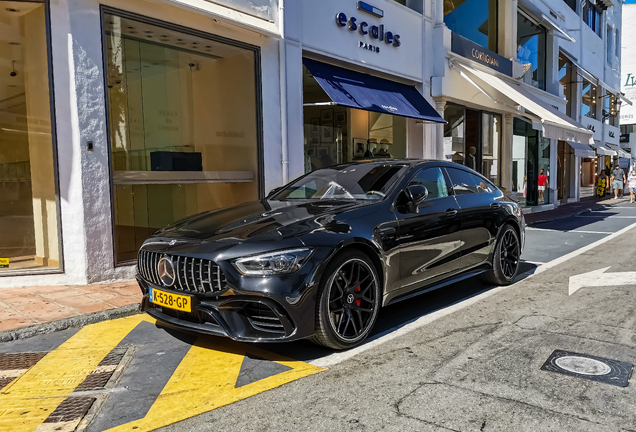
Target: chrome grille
[194,275]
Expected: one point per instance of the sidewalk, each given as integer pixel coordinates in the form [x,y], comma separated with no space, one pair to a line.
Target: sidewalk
[32,310]
[567,210]
[69,306]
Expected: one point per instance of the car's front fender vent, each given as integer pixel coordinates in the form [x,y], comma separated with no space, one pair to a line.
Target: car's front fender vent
[194,275]
[264,319]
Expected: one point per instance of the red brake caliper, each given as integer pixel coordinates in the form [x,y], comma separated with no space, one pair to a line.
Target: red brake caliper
[358,301]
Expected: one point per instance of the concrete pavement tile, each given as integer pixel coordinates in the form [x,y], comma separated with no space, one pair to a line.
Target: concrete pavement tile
[11,293]
[130,290]
[124,300]
[48,289]
[62,294]
[73,301]
[92,307]
[46,312]
[15,323]
[27,300]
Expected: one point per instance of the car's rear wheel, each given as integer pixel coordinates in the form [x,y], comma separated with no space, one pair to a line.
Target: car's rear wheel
[348,301]
[505,260]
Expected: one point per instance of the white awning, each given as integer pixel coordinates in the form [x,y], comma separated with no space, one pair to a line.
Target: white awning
[554,124]
[556,29]
[602,150]
[621,153]
[582,150]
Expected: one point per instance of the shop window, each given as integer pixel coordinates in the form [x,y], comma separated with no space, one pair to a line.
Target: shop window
[609,40]
[588,99]
[183,126]
[566,80]
[475,20]
[29,234]
[335,134]
[530,155]
[592,16]
[610,109]
[531,49]
[473,138]
[571,3]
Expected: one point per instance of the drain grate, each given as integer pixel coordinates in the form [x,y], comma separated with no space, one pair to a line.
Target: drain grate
[589,367]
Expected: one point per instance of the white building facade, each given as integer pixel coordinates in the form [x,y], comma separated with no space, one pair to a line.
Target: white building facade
[628,83]
[120,117]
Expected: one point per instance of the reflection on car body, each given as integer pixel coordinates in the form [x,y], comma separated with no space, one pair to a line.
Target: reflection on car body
[319,257]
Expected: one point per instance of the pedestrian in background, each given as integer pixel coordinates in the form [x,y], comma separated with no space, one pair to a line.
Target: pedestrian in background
[632,185]
[543,183]
[618,180]
[601,184]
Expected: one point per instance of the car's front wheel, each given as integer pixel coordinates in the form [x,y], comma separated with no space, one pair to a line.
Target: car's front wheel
[505,260]
[348,301]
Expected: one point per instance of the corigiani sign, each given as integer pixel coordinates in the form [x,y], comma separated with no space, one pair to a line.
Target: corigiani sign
[471,50]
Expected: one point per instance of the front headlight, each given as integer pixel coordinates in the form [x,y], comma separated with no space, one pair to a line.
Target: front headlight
[273,263]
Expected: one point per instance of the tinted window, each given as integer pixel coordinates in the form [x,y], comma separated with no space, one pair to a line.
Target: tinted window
[482,185]
[433,180]
[463,182]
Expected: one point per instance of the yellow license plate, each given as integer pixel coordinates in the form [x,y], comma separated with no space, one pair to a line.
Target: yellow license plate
[172,301]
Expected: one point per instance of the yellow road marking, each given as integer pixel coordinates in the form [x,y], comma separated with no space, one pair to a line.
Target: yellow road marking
[205,380]
[28,400]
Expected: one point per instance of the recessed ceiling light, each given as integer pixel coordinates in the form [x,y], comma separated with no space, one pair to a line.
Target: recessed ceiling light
[147,31]
[14,43]
[194,43]
[12,10]
[133,32]
[131,27]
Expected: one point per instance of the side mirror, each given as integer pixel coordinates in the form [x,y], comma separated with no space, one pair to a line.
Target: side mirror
[273,191]
[415,195]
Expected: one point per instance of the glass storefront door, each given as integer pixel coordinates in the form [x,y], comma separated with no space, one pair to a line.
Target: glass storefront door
[473,138]
[183,126]
[335,134]
[530,160]
[29,233]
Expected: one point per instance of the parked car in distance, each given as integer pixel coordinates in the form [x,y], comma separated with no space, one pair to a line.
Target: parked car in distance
[320,256]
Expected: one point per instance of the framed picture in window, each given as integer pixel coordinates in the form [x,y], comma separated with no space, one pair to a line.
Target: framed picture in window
[315,126]
[341,117]
[359,147]
[326,135]
[326,115]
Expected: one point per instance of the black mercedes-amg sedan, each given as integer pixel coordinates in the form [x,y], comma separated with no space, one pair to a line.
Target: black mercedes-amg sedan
[318,257]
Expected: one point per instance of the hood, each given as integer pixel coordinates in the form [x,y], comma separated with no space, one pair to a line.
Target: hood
[261,220]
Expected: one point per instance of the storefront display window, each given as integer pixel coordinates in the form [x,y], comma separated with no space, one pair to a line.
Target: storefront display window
[265,9]
[335,134]
[531,46]
[609,109]
[530,155]
[588,99]
[565,79]
[473,138]
[29,233]
[183,126]
[475,20]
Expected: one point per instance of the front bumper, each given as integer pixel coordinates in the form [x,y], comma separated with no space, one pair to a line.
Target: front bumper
[252,309]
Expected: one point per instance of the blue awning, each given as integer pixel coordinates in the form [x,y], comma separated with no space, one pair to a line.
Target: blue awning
[366,92]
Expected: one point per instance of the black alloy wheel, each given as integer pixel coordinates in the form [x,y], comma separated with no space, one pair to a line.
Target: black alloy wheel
[505,263]
[349,301]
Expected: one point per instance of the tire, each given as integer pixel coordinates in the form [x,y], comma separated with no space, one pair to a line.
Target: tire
[505,259]
[348,301]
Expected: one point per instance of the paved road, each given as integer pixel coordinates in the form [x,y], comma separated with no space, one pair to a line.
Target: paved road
[467,358]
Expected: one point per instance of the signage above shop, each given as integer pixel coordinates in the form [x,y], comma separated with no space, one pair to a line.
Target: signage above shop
[374,34]
[466,48]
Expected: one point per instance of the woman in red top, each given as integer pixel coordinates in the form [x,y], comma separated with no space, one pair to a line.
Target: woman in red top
[543,183]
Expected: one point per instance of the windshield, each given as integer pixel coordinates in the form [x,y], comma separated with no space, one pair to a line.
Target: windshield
[352,182]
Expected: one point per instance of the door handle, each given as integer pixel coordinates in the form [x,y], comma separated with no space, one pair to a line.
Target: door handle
[386,231]
[451,212]
[495,206]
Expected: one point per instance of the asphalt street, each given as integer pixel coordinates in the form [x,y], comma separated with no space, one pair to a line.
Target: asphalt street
[465,358]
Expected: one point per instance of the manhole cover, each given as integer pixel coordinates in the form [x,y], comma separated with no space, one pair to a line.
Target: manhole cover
[589,367]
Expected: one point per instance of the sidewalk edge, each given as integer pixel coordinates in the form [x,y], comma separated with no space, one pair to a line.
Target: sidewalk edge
[66,323]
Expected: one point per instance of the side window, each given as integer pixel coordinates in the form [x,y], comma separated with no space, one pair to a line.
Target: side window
[463,182]
[433,180]
[482,185]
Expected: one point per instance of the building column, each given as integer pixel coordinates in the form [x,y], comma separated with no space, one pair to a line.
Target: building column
[553,174]
[440,105]
[506,152]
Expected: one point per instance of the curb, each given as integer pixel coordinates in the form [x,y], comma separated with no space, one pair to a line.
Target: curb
[66,323]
